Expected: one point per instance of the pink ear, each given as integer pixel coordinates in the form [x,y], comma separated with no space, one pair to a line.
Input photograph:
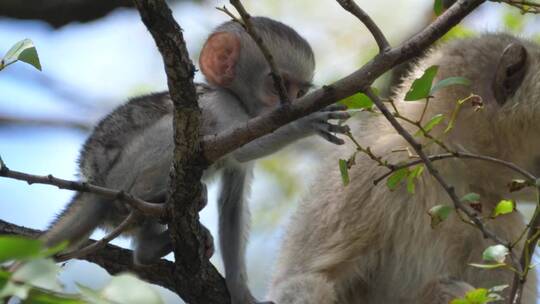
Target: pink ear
[218,58]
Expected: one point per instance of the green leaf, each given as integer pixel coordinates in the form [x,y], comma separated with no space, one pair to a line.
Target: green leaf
[357,101]
[44,297]
[495,253]
[344,172]
[435,120]
[4,278]
[475,296]
[438,7]
[504,207]
[24,51]
[126,288]
[421,87]
[471,197]
[48,252]
[41,273]
[393,180]
[448,82]
[439,213]
[413,175]
[16,248]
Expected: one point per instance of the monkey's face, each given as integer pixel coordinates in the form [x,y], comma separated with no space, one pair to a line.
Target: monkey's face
[232,60]
[507,77]
[509,125]
[295,88]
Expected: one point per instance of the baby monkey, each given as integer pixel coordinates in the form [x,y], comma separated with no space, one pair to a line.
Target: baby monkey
[132,148]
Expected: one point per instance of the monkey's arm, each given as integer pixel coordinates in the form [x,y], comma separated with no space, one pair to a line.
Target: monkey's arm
[316,123]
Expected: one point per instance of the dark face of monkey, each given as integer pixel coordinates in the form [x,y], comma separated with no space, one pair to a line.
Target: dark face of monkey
[230,59]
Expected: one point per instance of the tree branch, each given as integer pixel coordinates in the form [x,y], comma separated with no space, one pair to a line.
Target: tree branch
[149,209]
[215,146]
[353,8]
[523,5]
[60,12]
[529,176]
[112,258]
[197,281]
[6,120]
[130,219]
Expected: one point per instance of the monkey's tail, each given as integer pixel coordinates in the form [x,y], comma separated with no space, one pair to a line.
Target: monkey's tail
[85,212]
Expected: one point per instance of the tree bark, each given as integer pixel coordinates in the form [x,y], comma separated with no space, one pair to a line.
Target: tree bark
[197,281]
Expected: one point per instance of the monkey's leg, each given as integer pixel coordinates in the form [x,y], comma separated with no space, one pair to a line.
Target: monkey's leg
[233,230]
[443,290]
[152,241]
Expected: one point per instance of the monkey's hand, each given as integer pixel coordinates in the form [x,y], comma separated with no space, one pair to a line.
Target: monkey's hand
[318,123]
[208,242]
[315,123]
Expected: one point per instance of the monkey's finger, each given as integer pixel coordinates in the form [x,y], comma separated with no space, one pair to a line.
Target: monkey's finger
[322,117]
[331,138]
[208,242]
[339,115]
[335,107]
[331,128]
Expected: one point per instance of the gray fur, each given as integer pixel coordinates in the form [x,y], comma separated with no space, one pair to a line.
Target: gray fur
[365,244]
[132,150]
[233,229]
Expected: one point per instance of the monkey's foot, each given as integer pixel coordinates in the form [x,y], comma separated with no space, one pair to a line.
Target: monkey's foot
[208,242]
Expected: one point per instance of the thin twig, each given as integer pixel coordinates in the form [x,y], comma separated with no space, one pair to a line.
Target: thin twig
[250,29]
[146,208]
[524,6]
[424,132]
[529,176]
[353,8]
[46,122]
[469,212]
[112,258]
[130,219]
[369,153]
[526,256]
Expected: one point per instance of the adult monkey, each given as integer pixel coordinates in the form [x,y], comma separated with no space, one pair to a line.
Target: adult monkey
[132,148]
[366,244]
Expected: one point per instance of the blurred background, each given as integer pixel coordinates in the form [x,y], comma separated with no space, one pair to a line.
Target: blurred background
[90,68]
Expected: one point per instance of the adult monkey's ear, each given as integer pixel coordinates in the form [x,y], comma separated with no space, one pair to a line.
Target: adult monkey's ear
[510,72]
[218,58]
